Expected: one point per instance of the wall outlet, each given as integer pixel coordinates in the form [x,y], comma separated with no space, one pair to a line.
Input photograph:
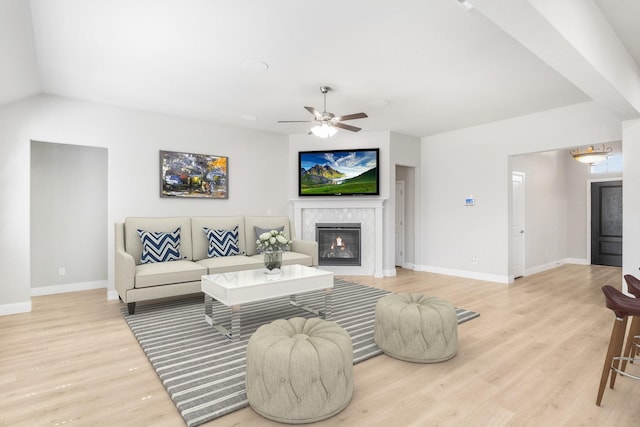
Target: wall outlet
[62,271]
[474,259]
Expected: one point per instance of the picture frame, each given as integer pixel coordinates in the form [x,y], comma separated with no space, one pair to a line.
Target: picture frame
[196,176]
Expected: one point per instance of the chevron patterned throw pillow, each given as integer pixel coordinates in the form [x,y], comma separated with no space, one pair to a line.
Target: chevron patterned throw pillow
[222,242]
[160,246]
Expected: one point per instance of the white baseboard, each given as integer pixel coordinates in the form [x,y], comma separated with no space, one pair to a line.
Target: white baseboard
[540,268]
[579,261]
[112,295]
[69,287]
[462,273]
[389,272]
[554,264]
[17,308]
[409,266]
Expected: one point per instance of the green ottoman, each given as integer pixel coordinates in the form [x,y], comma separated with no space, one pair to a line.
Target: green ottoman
[299,370]
[416,328]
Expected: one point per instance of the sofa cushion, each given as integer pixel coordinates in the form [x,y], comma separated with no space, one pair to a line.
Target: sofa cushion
[231,263]
[158,246]
[166,273]
[222,242]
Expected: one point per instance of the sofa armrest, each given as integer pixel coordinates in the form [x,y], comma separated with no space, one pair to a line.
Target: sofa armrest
[307,247]
[125,265]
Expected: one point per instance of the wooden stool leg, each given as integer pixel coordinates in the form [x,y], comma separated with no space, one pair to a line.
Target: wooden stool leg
[630,348]
[618,351]
[614,349]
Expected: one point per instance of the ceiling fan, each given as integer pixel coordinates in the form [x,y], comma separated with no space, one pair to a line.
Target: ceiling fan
[328,122]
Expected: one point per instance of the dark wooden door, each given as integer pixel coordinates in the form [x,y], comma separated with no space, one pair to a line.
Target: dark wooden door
[606,223]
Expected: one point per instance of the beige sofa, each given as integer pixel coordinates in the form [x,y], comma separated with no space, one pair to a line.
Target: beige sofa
[136,281]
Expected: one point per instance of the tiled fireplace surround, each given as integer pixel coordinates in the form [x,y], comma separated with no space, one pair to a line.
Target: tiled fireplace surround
[367,212]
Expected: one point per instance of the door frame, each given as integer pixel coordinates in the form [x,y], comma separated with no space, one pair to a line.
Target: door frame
[589,182]
[512,276]
[400,203]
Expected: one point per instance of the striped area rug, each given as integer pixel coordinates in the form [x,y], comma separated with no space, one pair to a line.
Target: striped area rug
[204,373]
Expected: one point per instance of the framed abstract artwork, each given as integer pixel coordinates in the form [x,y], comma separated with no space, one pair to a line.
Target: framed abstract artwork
[199,176]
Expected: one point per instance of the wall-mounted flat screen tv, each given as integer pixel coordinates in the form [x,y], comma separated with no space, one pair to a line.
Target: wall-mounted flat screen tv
[339,172]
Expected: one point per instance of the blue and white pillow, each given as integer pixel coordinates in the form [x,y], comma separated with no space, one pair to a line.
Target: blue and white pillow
[160,246]
[222,242]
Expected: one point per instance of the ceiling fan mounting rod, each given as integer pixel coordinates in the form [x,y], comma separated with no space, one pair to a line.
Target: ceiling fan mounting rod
[324,90]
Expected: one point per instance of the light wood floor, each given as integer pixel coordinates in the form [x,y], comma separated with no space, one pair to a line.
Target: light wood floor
[533,358]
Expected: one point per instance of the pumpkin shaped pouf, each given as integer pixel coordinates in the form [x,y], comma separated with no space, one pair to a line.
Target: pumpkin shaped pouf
[299,370]
[416,328]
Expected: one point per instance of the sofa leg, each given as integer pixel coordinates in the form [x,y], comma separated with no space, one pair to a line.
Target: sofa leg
[132,307]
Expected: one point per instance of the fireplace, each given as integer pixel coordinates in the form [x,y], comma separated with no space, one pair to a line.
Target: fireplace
[338,244]
[367,212]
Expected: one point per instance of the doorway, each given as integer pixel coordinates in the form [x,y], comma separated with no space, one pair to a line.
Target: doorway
[606,223]
[399,223]
[68,198]
[405,217]
[517,224]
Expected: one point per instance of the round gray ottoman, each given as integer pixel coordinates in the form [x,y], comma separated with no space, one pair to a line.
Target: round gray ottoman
[299,370]
[416,328]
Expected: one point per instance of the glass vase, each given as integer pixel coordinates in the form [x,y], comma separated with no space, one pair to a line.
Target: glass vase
[272,261]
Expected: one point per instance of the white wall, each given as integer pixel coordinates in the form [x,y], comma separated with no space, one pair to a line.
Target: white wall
[474,161]
[631,197]
[18,73]
[257,169]
[577,176]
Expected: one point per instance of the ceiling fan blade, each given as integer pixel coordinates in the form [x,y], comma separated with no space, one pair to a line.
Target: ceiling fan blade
[351,117]
[346,127]
[295,121]
[315,112]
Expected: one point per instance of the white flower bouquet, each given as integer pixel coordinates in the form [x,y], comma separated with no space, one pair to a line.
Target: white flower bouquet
[273,241]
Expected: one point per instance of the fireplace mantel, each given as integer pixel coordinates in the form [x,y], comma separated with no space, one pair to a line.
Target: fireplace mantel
[347,204]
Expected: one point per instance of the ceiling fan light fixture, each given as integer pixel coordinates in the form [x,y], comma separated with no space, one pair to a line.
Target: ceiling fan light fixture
[591,154]
[324,131]
[327,123]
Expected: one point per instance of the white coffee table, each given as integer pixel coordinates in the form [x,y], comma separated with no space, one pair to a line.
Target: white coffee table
[241,287]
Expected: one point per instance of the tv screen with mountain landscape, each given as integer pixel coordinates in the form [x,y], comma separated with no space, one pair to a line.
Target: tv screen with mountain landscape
[339,172]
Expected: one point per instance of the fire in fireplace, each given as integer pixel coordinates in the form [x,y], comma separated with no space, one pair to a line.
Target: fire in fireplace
[338,244]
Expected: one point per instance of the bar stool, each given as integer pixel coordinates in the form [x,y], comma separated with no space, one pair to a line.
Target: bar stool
[623,306]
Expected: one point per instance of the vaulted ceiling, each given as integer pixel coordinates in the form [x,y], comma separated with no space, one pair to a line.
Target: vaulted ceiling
[415,67]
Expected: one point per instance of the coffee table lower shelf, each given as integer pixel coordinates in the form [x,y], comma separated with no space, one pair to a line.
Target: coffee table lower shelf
[236,314]
[242,287]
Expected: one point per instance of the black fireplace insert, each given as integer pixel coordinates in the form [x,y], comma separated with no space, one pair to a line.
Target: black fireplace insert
[338,244]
